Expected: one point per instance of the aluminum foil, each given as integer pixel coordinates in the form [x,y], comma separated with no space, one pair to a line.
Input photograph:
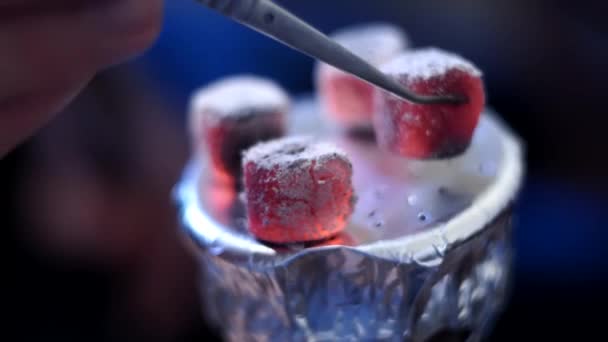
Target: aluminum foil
[341,294]
[440,283]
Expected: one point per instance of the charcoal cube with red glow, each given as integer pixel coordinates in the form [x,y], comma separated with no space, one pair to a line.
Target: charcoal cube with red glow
[347,100]
[297,190]
[233,114]
[429,131]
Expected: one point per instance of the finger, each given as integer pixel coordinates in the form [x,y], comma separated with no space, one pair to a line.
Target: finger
[47,56]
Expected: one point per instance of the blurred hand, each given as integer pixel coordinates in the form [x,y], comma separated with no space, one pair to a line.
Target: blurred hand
[49,49]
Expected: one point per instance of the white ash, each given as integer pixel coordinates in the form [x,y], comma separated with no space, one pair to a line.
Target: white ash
[374,42]
[237,96]
[427,63]
[290,152]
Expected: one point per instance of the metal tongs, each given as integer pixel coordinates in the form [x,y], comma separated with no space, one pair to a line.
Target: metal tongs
[274,21]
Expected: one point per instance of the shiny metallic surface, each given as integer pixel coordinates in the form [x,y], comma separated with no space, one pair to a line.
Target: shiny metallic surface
[341,294]
[441,282]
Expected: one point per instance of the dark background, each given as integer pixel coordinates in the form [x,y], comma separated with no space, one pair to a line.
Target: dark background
[90,227]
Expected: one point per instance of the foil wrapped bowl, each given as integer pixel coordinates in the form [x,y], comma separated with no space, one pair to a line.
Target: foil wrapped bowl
[389,278]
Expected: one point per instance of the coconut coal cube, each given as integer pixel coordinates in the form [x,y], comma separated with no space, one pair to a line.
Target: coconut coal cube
[429,131]
[231,115]
[297,190]
[347,100]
